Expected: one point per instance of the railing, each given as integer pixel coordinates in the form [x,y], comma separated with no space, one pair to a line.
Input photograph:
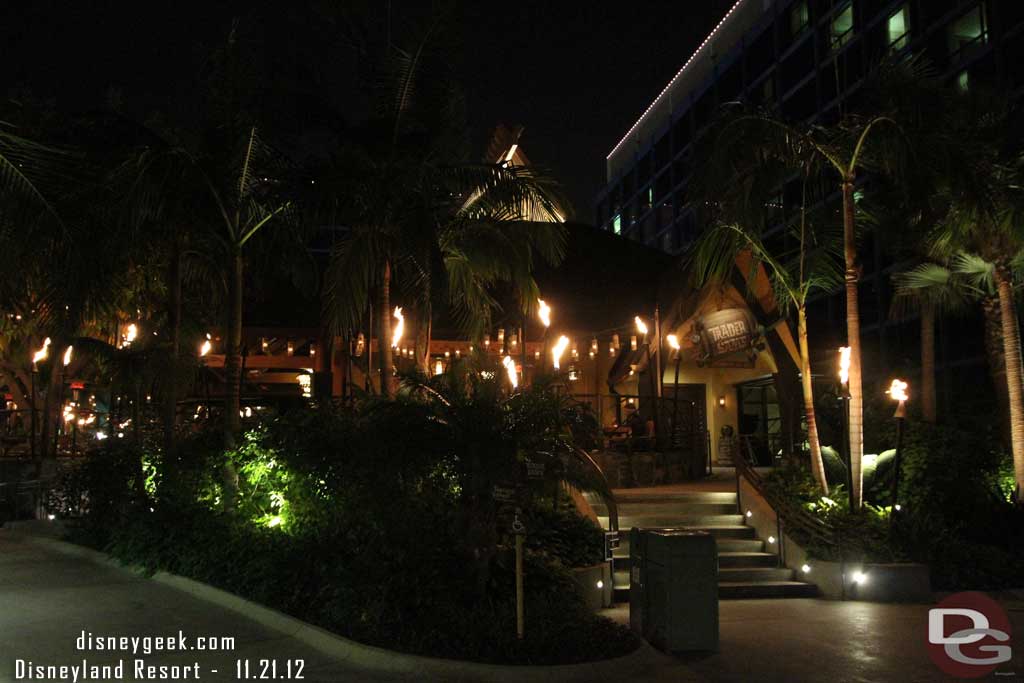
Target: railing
[787,514]
[606,490]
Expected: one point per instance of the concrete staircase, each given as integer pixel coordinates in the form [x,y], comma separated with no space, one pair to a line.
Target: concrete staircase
[746,567]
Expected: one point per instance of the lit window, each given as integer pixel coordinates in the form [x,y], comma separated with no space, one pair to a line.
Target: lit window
[617,224]
[841,30]
[963,81]
[799,18]
[899,29]
[968,31]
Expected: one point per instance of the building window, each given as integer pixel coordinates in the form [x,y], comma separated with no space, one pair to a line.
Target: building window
[799,18]
[841,29]
[968,31]
[899,29]
[617,224]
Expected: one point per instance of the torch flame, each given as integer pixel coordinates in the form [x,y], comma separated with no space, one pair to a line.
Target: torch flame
[42,353]
[641,326]
[207,345]
[898,390]
[396,335]
[673,341]
[67,356]
[559,349]
[544,311]
[844,364]
[510,368]
[130,333]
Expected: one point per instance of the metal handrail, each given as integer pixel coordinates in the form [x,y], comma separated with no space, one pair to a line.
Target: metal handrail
[606,494]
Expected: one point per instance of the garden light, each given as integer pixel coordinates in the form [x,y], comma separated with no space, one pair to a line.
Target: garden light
[67,356]
[771,539]
[749,514]
[42,353]
[510,368]
[396,335]
[600,584]
[558,350]
[844,364]
[897,507]
[860,578]
[544,312]
[806,569]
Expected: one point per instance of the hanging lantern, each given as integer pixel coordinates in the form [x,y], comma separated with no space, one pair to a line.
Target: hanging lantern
[632,342]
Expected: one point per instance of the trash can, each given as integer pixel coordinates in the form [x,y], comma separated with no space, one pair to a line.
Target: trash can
[673,591]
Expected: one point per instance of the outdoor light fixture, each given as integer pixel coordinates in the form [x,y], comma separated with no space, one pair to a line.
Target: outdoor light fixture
[487,341]
[290,348]
[513,340]
[265,345]
[721,401]
[501,335]
[67,355]
[844,365]
[898,392]
[771,539]
[593,347]
[544,312]
[306,384]
[42,354]
[860,578]
[806,569]
[438,367]
[615,342]
[51,517]
[448,354]
[396,334]
[749,514]
[558,350]
[599,584]
[457,353]
[632,342]
[312,350]
[510,368]
[611,349]
[897,507]
[641,326]
[575,353]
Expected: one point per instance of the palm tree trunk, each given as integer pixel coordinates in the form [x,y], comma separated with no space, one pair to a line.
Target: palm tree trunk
[928,408]
[385,360]
[997,363]
[817,464]
[424,331]
[853,341]
[170,407]
[1011,349]
[233,353]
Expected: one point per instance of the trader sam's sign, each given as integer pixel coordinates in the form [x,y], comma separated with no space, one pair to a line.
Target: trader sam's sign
[725,332]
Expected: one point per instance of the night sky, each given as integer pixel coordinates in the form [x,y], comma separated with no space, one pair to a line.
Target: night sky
[575,74]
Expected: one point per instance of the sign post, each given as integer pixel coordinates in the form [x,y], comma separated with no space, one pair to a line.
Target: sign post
[519,530]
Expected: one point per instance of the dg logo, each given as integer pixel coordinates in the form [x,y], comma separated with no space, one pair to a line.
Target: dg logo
[969,635]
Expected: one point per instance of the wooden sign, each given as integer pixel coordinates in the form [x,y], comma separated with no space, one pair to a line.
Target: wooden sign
[723,332]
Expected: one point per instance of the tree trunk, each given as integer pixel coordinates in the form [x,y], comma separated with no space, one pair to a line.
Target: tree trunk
[233,352]
[853,341]
[997,364]
[1011,350]
[424,331]
[928,409]
[817,464]
[385,360]
[170,407]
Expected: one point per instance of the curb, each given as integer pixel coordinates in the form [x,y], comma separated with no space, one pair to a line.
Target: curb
[645,660]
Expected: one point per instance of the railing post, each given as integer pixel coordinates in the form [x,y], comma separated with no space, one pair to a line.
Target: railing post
[782,539]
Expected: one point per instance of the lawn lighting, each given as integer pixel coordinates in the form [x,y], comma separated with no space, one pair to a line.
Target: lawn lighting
[544,312]
[860,578]
[806,569]
[510,368]
[558,350]
[396,334]
[771,539]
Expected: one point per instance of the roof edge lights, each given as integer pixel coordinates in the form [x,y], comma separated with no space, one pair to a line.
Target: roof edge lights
[675,78]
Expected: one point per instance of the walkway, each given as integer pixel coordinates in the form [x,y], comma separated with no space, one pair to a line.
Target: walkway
[47,599]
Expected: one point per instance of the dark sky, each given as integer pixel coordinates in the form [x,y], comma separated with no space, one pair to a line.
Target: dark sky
[575,74]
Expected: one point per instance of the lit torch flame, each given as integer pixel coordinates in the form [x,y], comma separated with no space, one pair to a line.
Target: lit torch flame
[67,356]
[641,326]
[396,335]
[130,333]
[898,390]
[673,341]
[42,353]
[544,312]
[844,364]
[207,345]
[559,349]
[510,368]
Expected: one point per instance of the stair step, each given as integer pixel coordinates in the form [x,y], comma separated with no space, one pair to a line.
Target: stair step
[747,559]
[754,574]
[628,496]
[765,589]
[659,521]
[668,508]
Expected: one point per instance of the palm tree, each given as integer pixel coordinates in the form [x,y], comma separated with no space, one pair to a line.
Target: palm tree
[421,217]
[811,269]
